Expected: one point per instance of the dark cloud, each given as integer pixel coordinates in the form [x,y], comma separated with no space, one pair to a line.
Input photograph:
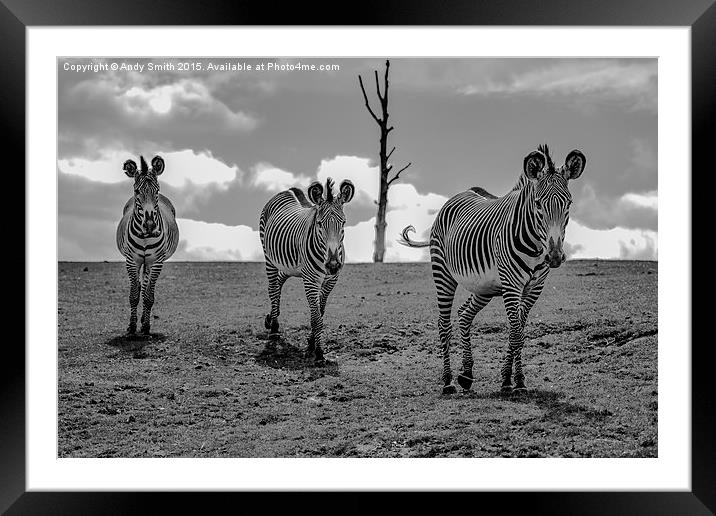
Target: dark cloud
[607,212]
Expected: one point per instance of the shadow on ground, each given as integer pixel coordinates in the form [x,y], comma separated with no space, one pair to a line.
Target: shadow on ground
[551,401]
[280,354]
[135,343]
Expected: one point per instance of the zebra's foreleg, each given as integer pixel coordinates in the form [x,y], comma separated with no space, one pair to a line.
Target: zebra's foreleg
[312,286]
[148,295]
[466,314]
[529,298]
[326,289]
[134,291]
[276,280]
[512,300]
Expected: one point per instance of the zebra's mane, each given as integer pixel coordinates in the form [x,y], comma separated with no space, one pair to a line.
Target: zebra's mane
[143,165]
[329,189]
[544,149]
[521,183]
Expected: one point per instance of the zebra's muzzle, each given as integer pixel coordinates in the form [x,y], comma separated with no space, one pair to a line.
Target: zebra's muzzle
[555,259]
[333,267]
[555,254]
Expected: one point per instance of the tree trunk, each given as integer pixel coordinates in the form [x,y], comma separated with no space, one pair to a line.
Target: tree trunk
[385,168]
[380,224]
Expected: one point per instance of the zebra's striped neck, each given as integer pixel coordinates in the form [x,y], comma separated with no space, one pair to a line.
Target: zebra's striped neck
[527,227]
[521,183]
[136,226]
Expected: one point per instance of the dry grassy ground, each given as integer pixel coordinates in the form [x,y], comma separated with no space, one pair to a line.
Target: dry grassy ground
[209,384]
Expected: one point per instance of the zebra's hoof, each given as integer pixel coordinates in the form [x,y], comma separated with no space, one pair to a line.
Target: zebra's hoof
[506,388]
[449,389]
[465,381]
[271,324]
[519,388]
[131,329]
[145,329]
[311,348]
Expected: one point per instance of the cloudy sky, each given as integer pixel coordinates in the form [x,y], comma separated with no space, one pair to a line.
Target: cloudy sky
[231,139]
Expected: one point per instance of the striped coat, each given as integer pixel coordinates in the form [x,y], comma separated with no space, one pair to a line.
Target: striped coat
[499,246]
[147,235]
[303,237]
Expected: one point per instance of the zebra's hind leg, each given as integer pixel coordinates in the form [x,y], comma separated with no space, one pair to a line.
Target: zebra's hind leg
[148,295]
[276,280]
[466,314]
[446,287]
[134,291]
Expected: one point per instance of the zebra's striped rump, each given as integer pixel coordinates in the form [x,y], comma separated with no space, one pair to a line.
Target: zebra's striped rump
[496,246]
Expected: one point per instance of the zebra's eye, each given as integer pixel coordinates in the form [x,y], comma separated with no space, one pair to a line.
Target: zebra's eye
[538,204]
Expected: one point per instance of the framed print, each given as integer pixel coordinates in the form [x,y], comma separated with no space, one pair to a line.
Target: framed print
[269,258]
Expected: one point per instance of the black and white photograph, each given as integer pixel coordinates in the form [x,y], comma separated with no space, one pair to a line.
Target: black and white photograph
[382,257]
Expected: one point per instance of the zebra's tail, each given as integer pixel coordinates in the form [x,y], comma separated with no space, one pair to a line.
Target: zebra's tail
[406,241]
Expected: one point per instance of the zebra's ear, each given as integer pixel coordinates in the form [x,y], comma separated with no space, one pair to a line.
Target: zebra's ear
[347,191]
[315,192]
[534,165]
[130,168]
[157,165]
[574,165]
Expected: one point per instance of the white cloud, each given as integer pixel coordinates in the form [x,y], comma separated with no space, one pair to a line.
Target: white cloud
[274,179]
[182,167]
[409,207]
[358,241]
[353,168]
[364,177]
[406,207]
[204,241]
[645,200]
[616,243]
[610,79]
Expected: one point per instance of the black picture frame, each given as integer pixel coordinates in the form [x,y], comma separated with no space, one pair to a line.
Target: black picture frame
[17,15]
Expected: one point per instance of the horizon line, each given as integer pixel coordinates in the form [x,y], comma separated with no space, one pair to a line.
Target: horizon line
[355,263]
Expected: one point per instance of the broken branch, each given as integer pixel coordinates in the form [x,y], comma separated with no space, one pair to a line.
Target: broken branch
[397,174]
[367,104]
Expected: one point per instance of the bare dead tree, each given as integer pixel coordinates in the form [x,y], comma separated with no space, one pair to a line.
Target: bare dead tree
[385,168]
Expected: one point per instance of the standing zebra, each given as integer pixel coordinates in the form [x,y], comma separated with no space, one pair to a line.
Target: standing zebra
[496,246]
[147,235]
[304,239]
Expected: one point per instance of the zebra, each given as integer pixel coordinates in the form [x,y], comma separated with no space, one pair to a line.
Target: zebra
[147,235]
[496,246]
[304,238]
